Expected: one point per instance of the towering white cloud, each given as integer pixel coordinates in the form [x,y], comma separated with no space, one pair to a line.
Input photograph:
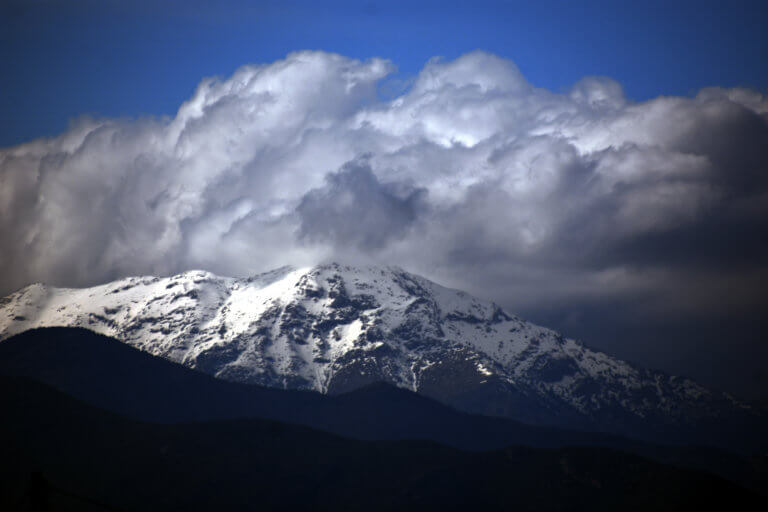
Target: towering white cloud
[473,176]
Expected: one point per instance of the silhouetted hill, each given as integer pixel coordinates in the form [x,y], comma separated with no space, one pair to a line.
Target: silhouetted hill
[257,464]
[116,377]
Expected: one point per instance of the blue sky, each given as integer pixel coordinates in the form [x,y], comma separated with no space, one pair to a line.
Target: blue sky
[108,58]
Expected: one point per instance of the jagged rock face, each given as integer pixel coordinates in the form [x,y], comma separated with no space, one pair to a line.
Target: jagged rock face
[334,328]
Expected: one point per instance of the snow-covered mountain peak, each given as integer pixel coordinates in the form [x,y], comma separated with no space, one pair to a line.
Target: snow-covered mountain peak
[336,327]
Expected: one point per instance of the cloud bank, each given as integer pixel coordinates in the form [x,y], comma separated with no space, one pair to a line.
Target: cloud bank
[472,176]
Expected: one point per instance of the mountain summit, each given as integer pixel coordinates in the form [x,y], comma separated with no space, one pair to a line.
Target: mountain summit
[334,328]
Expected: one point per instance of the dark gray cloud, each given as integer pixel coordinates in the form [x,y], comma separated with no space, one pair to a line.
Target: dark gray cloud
[565,207]
[354,209]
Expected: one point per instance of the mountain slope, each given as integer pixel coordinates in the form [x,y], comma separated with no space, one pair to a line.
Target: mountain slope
[93,455]
[116,377]
[335,328]
[111,375]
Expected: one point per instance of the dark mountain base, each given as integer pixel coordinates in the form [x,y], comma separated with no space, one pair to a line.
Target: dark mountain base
[116,377]
[77,452]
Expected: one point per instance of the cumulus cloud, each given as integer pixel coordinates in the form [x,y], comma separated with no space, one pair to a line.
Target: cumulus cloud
[472,176]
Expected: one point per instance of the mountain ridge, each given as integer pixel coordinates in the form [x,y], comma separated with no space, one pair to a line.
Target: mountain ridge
[73,450]
[113,376]
[333,328]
